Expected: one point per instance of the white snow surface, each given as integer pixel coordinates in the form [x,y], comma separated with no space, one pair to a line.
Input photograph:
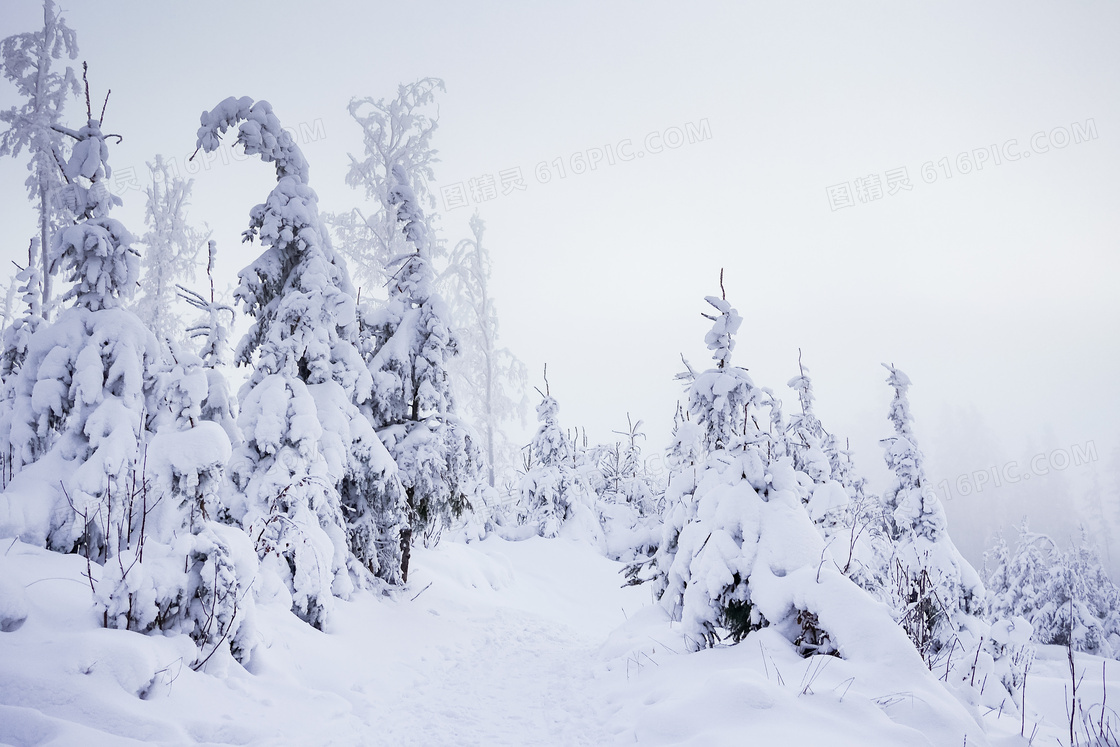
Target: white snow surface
[492,643]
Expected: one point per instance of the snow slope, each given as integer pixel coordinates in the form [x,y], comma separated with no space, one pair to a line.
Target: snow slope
[494,643]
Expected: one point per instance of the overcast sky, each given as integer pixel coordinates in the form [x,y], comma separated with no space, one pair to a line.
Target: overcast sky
[926,184]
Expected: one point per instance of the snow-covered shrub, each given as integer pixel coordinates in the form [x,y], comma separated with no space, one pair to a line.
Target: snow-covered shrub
[630,499]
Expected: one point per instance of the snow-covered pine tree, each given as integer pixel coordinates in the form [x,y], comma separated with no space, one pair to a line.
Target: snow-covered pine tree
[171,250]
[80,396]
[489,381]
[1077,602]
[848,518]
[555,496]
[16,338]
[214,330]
[937,591]
[630,500]
[27,60]
[827,502]
[1019,581]
[742,525]
[408,341]
[308,455]
[29,283]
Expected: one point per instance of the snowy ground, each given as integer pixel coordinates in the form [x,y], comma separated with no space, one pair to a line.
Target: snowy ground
[495,643]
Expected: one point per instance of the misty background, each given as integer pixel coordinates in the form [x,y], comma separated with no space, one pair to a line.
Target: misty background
[767,141]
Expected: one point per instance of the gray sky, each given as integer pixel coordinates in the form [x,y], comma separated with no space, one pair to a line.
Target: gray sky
[993,289]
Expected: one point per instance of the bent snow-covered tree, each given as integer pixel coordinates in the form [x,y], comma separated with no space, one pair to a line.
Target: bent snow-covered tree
[26,60]
[309,455]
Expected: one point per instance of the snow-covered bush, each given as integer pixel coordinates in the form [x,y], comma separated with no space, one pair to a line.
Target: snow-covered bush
[630,498]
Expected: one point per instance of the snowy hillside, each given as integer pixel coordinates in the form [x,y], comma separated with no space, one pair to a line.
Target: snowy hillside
[493,643]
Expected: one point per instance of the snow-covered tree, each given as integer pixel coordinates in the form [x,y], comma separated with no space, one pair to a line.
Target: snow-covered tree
[84,386]
[309,455]
[1066,596]
[171,250]
[28,281]
[936,589]
[395,133]
[489,381]
[849,519]
[187,571]
[555,495]
[27,61]
[408,342]
[99,412]
[630,497]
[738,526]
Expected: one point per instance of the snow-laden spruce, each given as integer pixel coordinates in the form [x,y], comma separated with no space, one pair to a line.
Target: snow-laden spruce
[408,341]
[938,593]
[29,282]
[112,457]
[316,486]
[26,60]
[938,597]
[850,520]
[555,497]
[739,551]
[1066,596]
[81,392]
